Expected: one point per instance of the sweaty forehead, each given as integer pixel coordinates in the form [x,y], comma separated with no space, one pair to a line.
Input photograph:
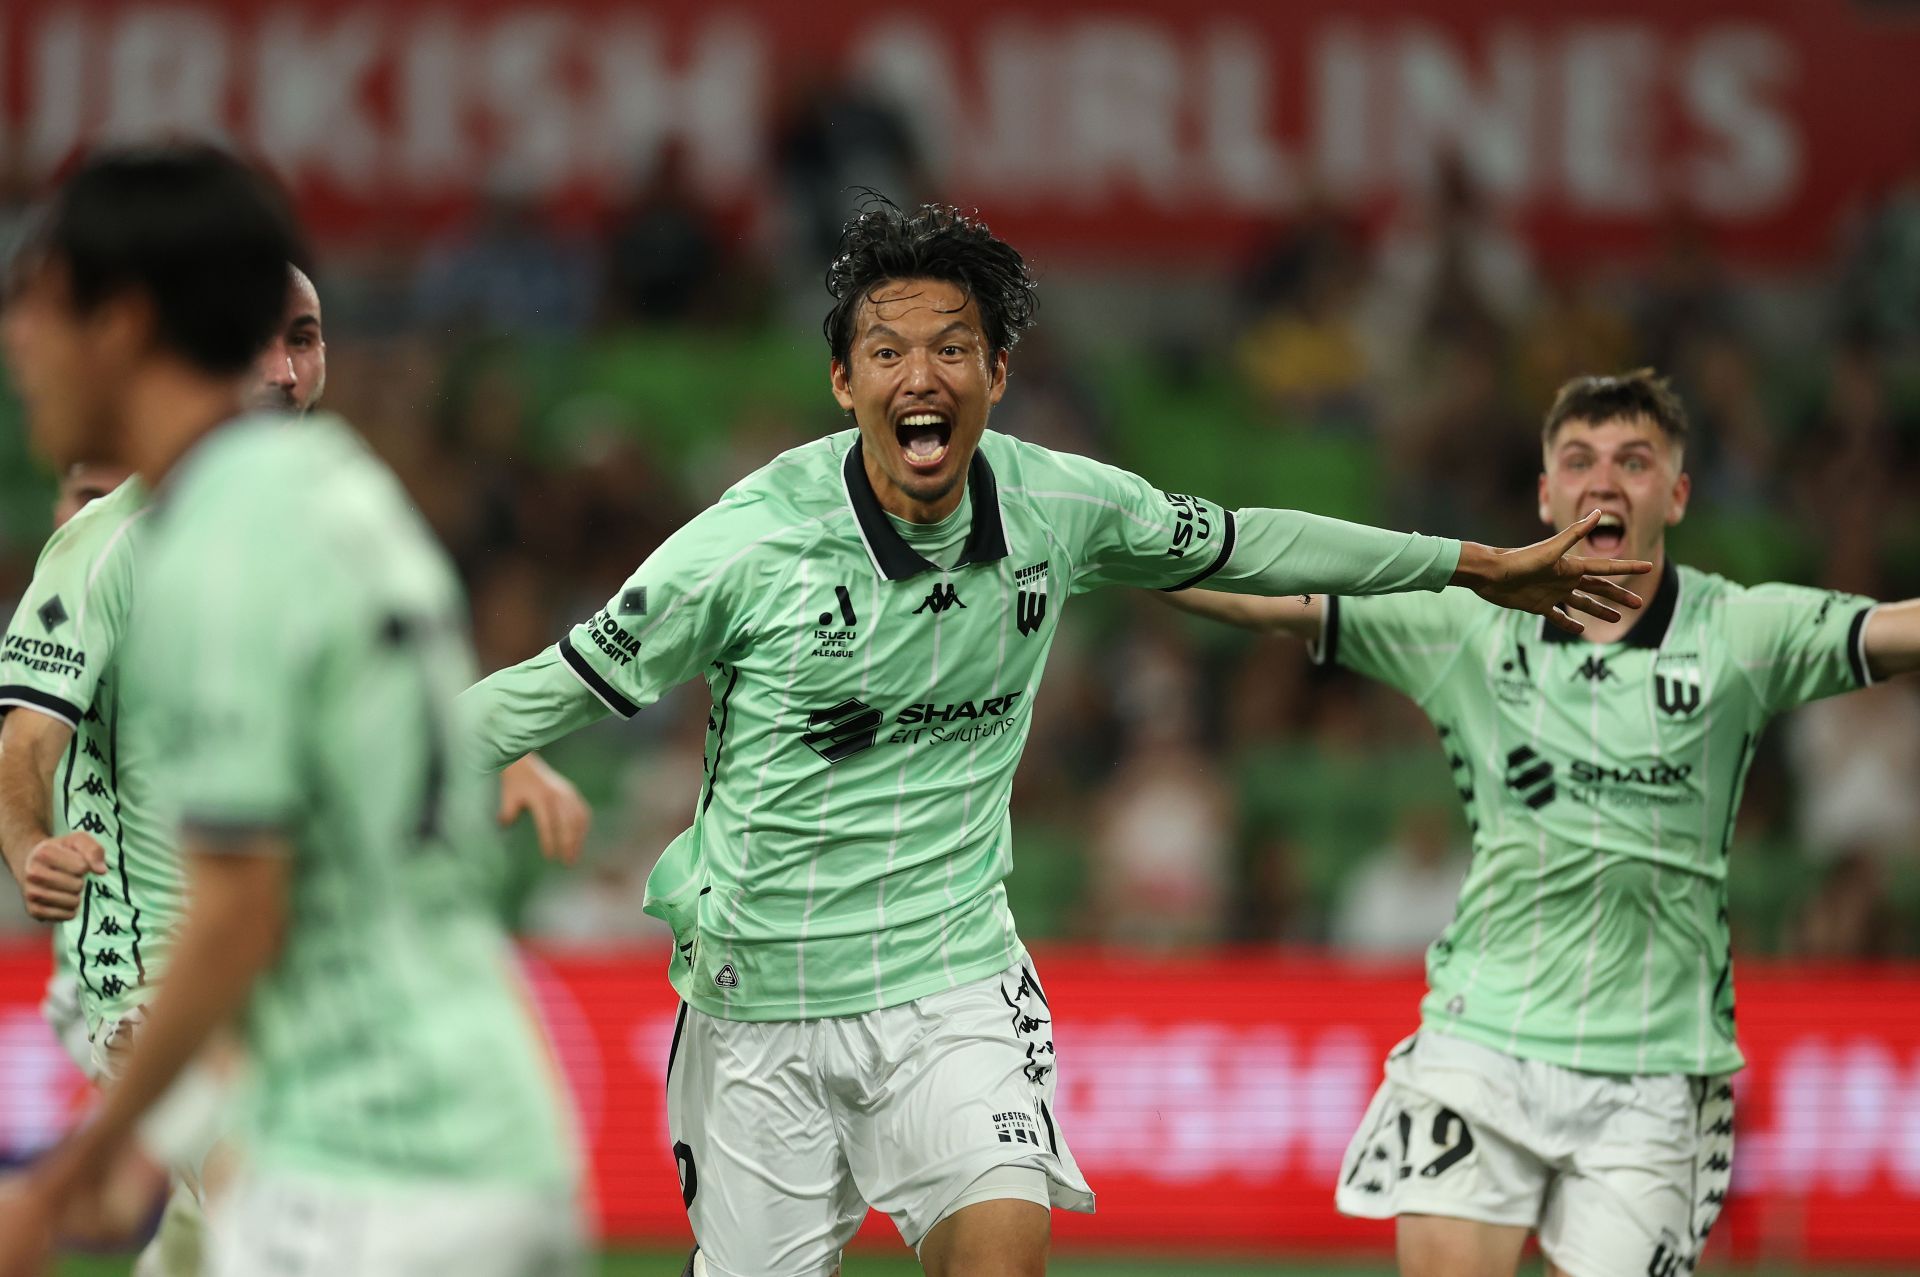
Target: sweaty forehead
[911,304]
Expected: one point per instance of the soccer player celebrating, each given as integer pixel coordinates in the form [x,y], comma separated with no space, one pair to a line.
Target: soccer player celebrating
[1570,1077]
[337,852]
[861,1024]
[102,803]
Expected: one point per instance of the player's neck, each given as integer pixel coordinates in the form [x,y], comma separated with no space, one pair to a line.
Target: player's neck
[897,502]
[1599,631]
[169,407]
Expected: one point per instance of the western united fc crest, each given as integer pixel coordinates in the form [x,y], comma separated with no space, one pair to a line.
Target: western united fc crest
[1030,597]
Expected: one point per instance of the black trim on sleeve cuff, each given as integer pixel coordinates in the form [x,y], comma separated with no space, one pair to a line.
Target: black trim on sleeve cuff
[1329,653]
[1220,560]
[1856,648]
[595,684]
[33,698]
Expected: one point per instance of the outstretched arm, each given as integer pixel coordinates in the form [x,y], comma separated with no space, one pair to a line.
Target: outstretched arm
[1286,553]
[1296,614]
[1892,639]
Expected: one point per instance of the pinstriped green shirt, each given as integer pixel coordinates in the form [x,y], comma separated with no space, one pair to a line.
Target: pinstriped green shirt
[848,845]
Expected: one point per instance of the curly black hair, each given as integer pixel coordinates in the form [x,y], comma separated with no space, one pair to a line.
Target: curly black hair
[883,242]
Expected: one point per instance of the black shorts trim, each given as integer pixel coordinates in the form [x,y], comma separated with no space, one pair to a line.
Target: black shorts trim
[604,690]
[16,694]
[1220,560]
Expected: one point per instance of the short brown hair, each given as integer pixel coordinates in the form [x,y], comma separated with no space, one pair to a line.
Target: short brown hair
[1640,393]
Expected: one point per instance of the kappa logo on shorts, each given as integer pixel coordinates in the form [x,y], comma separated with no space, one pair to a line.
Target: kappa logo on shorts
[726,977]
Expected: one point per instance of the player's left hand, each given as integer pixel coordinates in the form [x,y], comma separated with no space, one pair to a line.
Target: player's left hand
[560,816]
[1545,578]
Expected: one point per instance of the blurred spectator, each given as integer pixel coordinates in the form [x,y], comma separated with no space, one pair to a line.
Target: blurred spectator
[1849,917]
[1687,296]
[665,261]
[1880,277]
[1447,268]
[1403,897]
[1573,332]
[834,138]
[507,273]
[1855,759]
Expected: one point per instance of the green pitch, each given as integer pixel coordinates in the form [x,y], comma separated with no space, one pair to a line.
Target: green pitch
[667,1264]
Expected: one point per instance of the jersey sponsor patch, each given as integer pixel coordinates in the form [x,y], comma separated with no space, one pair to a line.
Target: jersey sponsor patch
[52,614]
[726,977]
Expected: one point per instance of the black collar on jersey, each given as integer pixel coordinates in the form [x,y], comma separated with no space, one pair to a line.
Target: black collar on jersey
[1651,630]
[892,557]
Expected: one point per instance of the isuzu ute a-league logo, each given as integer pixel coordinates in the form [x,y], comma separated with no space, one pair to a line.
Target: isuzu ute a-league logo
[1030,597]
[843,730]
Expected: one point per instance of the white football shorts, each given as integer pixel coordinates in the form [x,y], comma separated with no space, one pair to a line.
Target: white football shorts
[787,1131]
[1616,1173]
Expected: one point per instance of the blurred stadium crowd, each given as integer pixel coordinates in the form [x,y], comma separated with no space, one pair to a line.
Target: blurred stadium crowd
[560,399]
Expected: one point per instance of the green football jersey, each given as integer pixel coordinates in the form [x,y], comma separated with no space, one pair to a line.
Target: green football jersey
[300,641]
[61,657]
[1601,783]
[849,843]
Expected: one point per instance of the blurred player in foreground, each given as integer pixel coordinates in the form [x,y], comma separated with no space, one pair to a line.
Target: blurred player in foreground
[1571,1076]
[861,1024]
[404,1116]
[104,828]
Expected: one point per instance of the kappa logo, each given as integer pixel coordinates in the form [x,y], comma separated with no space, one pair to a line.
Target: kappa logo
[52,614]
[1030,597]
[1677,693]
[1530,777]
[843,730]
[944,596]
[726,977]
[1595,670]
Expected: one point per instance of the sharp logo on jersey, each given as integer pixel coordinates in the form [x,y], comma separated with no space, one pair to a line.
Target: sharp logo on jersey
[1664,775]
[1595,670]
[634,602]
[927,712]
[1530,777]
[1678,695]
[1030,597]
[943,597]
[726,977]
[843,730]
[52,614]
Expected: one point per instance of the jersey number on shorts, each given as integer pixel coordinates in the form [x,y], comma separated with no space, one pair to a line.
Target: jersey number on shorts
[1450,1135]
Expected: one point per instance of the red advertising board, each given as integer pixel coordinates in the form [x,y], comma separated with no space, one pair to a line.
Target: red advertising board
[1209,1099]
[1123,128]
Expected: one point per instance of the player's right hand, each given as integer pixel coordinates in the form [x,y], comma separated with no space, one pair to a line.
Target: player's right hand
[561,816]
[1547,579]
[55,875]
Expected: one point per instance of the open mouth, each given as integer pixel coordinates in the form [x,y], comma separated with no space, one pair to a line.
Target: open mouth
[923,437]
[1608,535]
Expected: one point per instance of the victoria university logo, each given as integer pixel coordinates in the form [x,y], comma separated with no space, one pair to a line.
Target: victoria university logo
[1030,597]
[1530,777]
[843,730]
